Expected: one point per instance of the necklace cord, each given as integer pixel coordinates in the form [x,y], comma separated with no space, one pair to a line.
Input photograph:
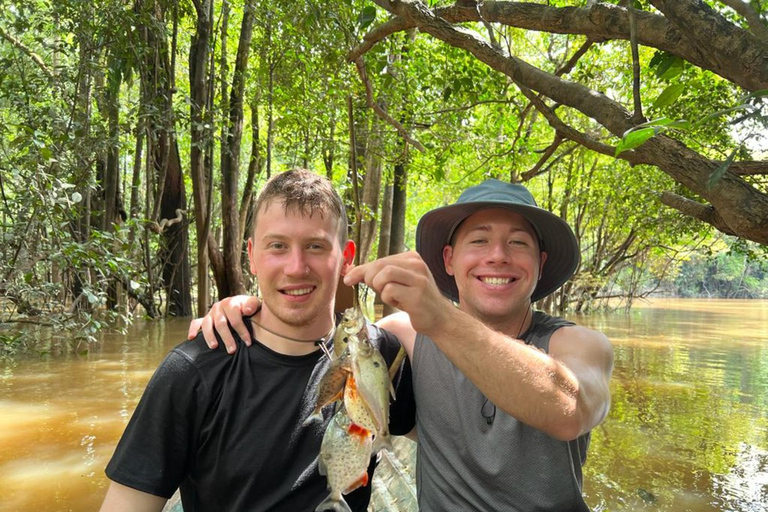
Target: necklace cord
[317,342]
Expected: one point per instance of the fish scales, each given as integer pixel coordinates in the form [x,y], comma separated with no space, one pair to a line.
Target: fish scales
[345,453]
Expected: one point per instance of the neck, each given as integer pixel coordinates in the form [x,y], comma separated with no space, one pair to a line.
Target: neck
[287,339]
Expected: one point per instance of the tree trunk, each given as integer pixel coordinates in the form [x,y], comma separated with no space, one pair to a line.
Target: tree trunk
[230,165]
[198,67]
[175,245]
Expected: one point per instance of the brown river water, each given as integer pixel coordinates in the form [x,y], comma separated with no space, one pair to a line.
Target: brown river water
[688,428]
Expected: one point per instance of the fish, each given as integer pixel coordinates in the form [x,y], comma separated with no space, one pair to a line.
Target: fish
[345,453]
[332,386]
[352,322]
[371,377]
[357,408]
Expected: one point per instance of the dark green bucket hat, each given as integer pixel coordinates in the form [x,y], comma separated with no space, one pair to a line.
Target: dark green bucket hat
[556,238]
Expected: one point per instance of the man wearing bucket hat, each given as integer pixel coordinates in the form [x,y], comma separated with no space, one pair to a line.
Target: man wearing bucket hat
[506,396]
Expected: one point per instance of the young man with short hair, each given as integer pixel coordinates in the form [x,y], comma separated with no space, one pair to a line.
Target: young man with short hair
[229,430]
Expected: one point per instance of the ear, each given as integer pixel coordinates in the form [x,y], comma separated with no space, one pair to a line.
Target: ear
[448,259]
[251,256]
[349,256]
[543,259]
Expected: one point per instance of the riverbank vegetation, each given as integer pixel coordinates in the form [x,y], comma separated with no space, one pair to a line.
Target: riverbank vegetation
[134,136]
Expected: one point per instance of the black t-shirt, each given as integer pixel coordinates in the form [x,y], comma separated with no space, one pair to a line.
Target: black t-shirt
[227,429]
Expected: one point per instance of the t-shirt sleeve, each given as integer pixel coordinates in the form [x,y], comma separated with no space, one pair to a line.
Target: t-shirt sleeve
[155,451]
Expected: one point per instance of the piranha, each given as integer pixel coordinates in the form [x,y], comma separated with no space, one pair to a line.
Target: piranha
[371,377]
[332,385]
[344,457]
[352,322]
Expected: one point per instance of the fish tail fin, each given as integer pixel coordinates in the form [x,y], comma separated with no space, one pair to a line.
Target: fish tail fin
[382,441]
[315,416]
[333,503]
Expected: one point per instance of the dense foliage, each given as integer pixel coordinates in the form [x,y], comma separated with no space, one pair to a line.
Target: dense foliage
[134,136]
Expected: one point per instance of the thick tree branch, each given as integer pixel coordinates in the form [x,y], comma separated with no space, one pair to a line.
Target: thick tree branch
[704,213]
[601,22]
[742,57]
[745,10]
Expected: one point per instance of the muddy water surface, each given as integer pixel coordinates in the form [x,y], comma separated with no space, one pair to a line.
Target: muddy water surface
[688,429]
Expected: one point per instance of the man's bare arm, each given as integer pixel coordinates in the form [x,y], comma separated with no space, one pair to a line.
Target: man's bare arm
[564,393]
[120,498]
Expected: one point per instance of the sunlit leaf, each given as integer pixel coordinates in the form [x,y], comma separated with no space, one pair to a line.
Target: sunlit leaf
[669,95]
[635,138]
[670,66]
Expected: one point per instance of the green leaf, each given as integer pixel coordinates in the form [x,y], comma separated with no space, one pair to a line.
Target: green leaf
[634,138]
[669,95]
[718,173]
[367,16]
[670,66]
[722,112]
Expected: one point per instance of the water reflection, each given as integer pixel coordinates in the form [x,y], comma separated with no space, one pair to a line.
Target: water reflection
[687,429]
[689,401]
[61,417]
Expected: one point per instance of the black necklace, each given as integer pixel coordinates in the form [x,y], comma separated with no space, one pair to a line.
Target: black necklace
[318,342]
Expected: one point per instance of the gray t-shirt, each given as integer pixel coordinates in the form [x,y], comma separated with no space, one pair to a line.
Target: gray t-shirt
[467,462]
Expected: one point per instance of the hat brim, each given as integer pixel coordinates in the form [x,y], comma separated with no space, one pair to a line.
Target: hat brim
[558,240]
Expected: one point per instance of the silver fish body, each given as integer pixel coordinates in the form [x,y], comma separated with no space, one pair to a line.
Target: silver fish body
[344,457]
[371,375]
[352,322]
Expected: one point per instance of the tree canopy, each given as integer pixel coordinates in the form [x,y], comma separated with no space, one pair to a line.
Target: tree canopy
[125,123]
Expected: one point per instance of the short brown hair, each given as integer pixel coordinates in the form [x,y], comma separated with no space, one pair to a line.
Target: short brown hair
[306,192]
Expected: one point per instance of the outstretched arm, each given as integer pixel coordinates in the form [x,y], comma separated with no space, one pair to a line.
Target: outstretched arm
[120,498]
[224,314]
[564,393]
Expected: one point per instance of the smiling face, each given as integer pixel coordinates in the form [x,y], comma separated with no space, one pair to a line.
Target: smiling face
[298,259]
[496,261]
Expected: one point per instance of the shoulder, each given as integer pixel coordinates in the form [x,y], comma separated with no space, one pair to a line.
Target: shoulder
[589,345]
[198,353]
[399,324]
[544,321]
[186,361]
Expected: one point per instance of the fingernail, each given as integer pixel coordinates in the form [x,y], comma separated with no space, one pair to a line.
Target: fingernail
[248,310]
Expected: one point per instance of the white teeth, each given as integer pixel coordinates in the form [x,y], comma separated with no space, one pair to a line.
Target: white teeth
[496,280]
[300,291]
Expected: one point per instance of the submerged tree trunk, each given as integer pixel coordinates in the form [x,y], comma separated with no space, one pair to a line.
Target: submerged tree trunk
[164,162]
[230,165]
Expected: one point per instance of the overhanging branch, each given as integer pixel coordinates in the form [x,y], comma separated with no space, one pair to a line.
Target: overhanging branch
[380,111]
[704,213]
